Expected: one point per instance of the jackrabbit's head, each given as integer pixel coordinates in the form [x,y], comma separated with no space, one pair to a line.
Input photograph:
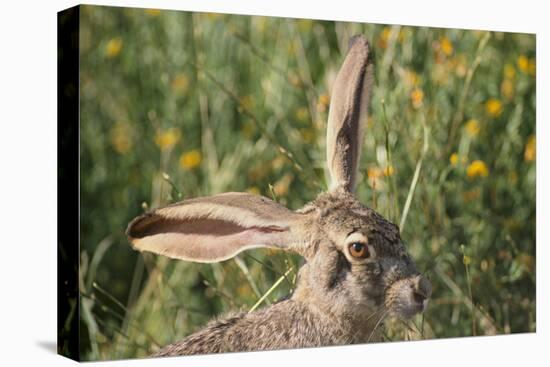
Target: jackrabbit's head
[356,263]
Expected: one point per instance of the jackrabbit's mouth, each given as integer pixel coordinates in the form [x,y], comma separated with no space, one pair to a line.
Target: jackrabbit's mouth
[407,310]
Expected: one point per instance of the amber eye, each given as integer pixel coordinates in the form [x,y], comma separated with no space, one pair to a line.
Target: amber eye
[359,250]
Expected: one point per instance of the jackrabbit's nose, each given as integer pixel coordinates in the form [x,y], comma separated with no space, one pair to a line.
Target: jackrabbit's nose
[422,290]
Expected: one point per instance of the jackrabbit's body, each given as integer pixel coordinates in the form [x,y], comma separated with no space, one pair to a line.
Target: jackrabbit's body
[289,323]
[357,270]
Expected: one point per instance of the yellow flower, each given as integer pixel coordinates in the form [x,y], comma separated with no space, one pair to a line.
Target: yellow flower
[472,127]
[453,159]
[402,36]
[493,107]
[532,67]
[166,139]
[509,71]
[281,187]
[253,190]
[417,95]
[470,195]
[523,63]
[507,89]
[440,74]
[324,99]
[180,84]
[246,103]
[374,174]
[478,34]
[446,46]
[384,36]
[152,12]
[260,23]
[244,290]
[528,261]
[213,16]
[389,171]
[120,138]
[294,79]
[191,159]
[461,70]
[323,102]
[302,114]
[113,47]
[477,168]
[304,25]
[530,149]
[411,78]
[278,162]
[308,135]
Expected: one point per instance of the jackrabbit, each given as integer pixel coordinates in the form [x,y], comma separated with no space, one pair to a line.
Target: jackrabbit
[356,271]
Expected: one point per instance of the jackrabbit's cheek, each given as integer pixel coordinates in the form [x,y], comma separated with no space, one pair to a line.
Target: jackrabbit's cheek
[367,283]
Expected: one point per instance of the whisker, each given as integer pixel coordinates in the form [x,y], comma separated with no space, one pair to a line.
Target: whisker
[381,308]
[374,313]
[377,324]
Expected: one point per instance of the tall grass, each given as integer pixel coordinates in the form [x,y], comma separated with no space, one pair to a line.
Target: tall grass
[176,105]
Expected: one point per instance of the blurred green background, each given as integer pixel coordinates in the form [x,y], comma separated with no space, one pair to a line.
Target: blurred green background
[177,104]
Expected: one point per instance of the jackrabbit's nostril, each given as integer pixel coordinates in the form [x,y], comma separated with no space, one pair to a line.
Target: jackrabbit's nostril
[419,297]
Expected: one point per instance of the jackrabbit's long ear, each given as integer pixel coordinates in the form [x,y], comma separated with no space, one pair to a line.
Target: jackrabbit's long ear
[348,114]
[213,228]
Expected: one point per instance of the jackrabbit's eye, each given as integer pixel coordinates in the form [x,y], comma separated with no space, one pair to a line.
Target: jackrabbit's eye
[359,250]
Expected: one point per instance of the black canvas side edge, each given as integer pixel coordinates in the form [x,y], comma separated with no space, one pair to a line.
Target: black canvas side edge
[68,300]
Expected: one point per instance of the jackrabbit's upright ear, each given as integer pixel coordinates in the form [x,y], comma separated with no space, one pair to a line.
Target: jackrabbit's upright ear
[348,114]
[213,228]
